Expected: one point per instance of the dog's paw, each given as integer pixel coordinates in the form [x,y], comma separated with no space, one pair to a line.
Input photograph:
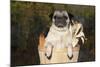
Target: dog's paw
[70,52]
[49,57]
[70,57]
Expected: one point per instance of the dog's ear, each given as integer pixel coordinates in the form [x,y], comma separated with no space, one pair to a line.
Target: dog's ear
[50,16]
[70,16]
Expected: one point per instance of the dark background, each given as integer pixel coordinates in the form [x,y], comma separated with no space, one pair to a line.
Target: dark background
[29,19]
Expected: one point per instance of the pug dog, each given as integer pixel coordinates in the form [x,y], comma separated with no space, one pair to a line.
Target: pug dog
[59,35]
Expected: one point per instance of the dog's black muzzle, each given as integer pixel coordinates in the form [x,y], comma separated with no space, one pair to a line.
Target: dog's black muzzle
[60,21]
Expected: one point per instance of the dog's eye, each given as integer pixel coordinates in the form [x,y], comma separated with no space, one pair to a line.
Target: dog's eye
[54,17]
[65,17]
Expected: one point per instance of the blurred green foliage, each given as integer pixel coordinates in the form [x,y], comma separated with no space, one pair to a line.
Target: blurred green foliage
[29,19]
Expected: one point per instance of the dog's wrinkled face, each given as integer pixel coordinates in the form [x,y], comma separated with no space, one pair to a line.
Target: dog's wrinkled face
[61,19]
